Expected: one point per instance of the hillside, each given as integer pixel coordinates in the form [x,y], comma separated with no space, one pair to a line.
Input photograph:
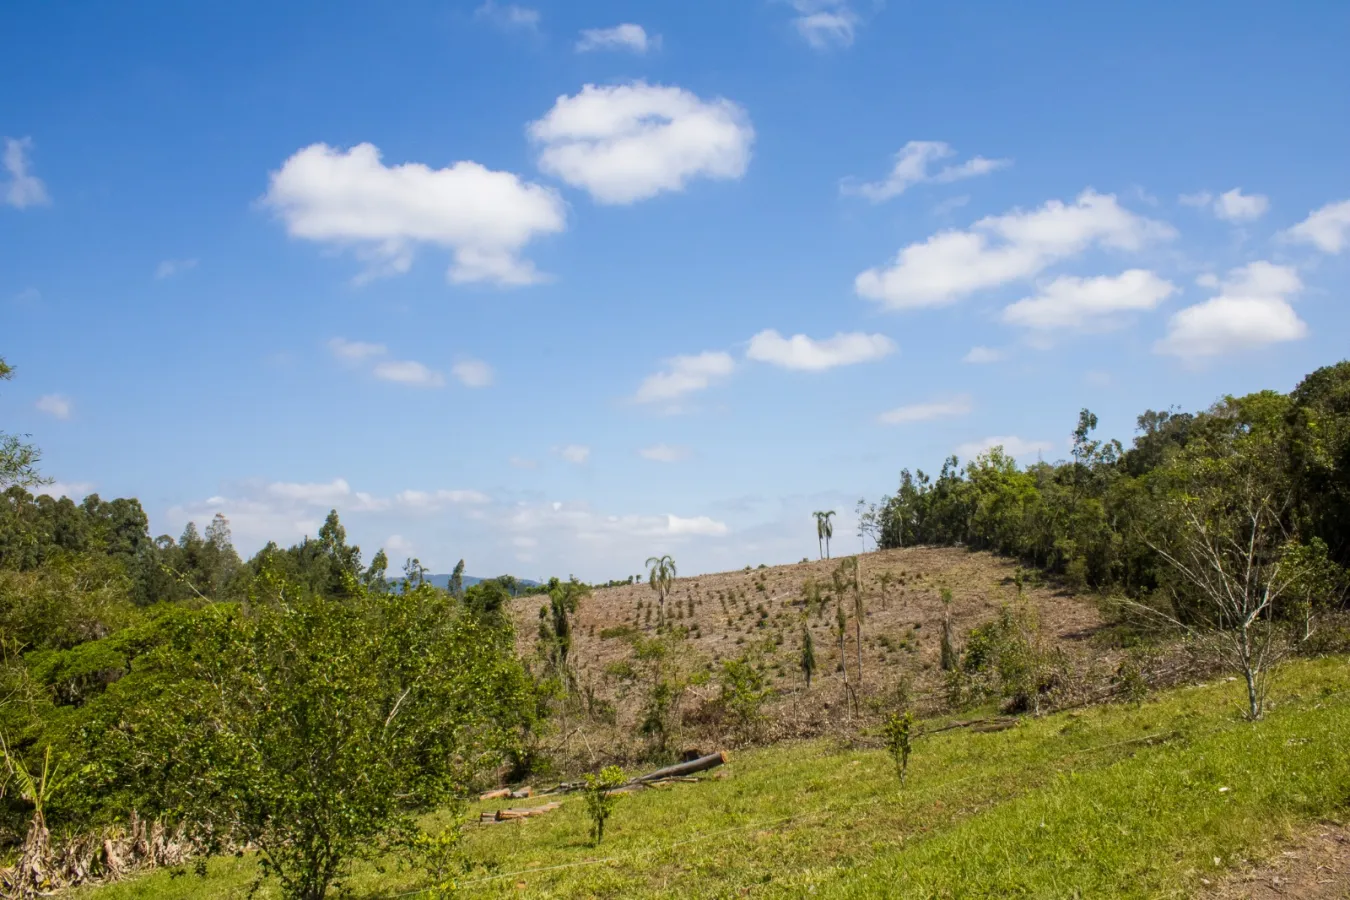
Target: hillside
[759,613]
[1175,797]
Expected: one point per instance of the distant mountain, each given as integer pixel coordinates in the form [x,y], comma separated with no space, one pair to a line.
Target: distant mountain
[443,581]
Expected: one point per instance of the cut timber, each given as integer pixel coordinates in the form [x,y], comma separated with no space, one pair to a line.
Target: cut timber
[702,764]
[505,815]
[499,794]
[522,793]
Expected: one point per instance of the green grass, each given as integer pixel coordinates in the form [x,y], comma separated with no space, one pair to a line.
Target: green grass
[1117,801]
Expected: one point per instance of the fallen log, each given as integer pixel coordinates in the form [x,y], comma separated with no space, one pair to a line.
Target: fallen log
[522,793]
[499,794]
[506,815]
[702,764]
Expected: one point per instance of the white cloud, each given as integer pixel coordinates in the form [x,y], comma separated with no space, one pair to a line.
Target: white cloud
[351,199]
[397,547]
[926,412]
[983,356]
[355,351]
[473,373]
[664,453]
[576,454]
[1231,206]
[685,374]
[509,16]
[624,143]
[1012,445]
[432,501]
[55,405]
[911,167]
[627,36]
[701,525]
[1251,310]
[1089,303]
[22,189]
[75,490]
[1327,228]
[521,462]
[803,353]
[310,493]
[171,267]
[409,372]
[825,24]
[1001,249]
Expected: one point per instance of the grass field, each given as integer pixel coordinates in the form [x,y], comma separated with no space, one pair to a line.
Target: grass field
[1155,800]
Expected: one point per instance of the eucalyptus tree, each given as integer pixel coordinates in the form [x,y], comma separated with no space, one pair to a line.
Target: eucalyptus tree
[661,575]
[824,531]
[807,662]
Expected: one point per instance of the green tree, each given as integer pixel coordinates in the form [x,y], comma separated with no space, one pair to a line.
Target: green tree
[898,733]
[18,461]
[824,531]
[313,727]
[457,580]
[601,799]
[807,661]
[661,575]
[555,626]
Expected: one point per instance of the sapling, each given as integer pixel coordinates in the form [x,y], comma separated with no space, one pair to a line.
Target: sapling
[898,732]
[599,799]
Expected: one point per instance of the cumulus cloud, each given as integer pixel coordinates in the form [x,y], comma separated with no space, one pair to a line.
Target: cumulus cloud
[684,375]
[57,406]
[664,453]
[912,166]
[1089,303]
[1012,445]
[825,24]
[630,37]
[1231,206]
[171,267]
[925,412]
[352,199]
[509,16]
[434,501]
[1251,310]
[980,356]
[1327,228]
[576,454]
[629,142]
[1003,249]
[473,373]
[806,354]
[355,351]
[22,188]
[409,372]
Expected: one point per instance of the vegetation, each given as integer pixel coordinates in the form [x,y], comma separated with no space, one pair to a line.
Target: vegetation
[600,799]
[898,733]
[824,531]
[661,575]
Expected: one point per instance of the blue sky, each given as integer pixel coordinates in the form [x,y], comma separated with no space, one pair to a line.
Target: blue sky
[554,287]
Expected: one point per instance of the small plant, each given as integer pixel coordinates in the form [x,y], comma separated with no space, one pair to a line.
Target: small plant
[898,732]
[600,800]
[807,661]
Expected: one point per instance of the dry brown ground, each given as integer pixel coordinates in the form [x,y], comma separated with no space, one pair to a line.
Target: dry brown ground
[901,634]
[1315,866]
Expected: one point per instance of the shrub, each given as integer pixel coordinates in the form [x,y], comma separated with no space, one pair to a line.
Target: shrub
[600,799]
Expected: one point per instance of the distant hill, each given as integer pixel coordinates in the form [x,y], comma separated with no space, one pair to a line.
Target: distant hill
[443,581]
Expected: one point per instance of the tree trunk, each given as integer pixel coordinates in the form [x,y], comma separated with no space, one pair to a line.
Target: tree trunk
[701,764]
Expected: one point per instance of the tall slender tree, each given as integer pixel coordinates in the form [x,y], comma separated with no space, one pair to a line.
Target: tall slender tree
[824,531]
[457,580]
[661,575]
[808,657]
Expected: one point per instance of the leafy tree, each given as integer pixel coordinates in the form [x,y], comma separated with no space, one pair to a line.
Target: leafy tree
[744,692]
[807,661]
[898,733]
[601,799]
[457,580]
[555,625]
[1317,582]
[661,575]
[312,727]
[18,461]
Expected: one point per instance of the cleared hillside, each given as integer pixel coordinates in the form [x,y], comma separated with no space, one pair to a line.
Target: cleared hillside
[760,614]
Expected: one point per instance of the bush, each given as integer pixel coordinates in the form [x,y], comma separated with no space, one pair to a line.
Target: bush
[599,799]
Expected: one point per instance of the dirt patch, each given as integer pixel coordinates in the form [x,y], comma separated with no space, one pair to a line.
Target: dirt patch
[1315,866]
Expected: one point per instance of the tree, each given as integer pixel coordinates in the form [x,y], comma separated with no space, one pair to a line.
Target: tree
[897,732]
[555,625]
[1316,580]
[824,531]
[885,579]
[948,658]
[457,580]
[807,661]
[18,461]
[600,798]
[315,728]
[661,575]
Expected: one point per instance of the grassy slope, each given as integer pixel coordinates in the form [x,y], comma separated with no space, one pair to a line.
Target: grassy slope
[1110,801]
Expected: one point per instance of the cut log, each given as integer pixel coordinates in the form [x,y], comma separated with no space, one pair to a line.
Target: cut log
[505,815]
[702,764]
[522,793]
[498,794]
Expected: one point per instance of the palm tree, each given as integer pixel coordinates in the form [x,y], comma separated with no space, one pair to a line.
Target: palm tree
[824,531]
[660,575]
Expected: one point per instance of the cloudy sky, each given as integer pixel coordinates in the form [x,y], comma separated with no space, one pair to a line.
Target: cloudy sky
[555,287]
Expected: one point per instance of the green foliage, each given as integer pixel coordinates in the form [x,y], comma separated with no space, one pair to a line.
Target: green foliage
[807,661]
[898,734]
[661,575]
[600,799]
[18,461]
[743,692]
[310,726]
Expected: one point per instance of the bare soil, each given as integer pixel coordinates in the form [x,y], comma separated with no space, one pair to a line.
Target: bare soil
[1314,866]
[760,614]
